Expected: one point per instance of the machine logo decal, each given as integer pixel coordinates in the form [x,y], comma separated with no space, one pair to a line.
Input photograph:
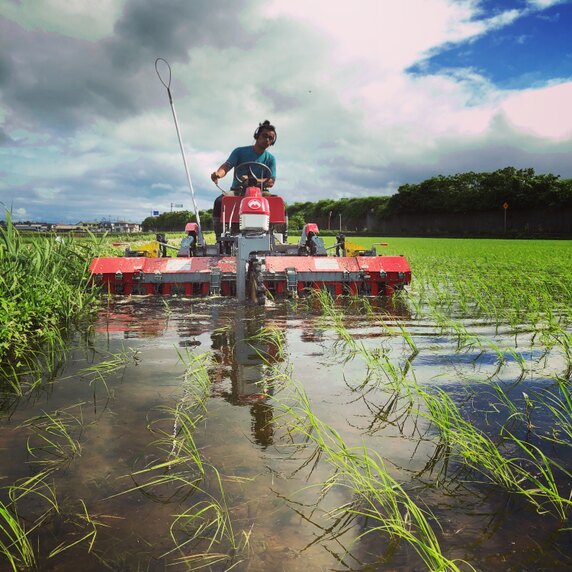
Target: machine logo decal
[254,204]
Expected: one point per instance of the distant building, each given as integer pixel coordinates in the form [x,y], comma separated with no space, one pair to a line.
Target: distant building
[67,228]
[91,226]
[83,226]
[35,227]
[121,226]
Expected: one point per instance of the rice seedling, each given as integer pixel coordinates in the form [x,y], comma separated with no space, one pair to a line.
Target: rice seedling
[378,498]
[39,486]
[99,372]
[530,474]
[103,369]
[270,337]
[52,441]
[179,445]
[206,522]
[15,545]
[556,400]
[563,339]
[201,531]
[88,527]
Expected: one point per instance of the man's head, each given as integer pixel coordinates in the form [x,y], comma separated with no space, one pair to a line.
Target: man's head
[265,134]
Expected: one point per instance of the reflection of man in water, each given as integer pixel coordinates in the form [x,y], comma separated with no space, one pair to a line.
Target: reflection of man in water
[243,359]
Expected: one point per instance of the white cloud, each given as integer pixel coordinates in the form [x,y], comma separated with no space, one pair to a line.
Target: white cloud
[332,76]
[543,4]
[393,34]
[83,19]
[544,112]
[49,193]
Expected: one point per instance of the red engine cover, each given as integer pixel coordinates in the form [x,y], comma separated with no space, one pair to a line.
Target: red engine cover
[231,208]
[254,205]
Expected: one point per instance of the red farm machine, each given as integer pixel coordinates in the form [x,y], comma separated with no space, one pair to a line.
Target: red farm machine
[251,257]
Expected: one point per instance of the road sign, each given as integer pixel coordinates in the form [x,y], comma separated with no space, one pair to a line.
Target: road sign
[504,206]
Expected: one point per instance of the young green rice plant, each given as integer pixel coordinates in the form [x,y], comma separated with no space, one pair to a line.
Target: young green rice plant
[378,497]
[196,380]
[558,401]
[42,486]
[101,371]
[202,530]
[271,337]
[15,546]
[504,282]
[207,524]
[52,441]
[183,467]
[394,376]
[513,412]
[88,526]
[530,474]
[562,338]
[383,369]
[541,486]
[323,298]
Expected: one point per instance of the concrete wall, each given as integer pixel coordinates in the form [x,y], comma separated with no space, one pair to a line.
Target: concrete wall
[534,223]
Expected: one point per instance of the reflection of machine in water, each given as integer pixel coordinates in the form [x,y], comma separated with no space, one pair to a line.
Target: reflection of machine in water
[245,355]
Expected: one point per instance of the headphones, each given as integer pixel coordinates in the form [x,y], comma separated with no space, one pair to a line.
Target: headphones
[266,125]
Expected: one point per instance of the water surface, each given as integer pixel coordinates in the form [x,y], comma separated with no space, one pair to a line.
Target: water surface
[272,483]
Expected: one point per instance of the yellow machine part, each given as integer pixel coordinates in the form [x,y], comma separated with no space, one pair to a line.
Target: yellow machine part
[149,250]
[353,249]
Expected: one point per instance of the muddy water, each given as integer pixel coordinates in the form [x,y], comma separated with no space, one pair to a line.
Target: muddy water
[282,516]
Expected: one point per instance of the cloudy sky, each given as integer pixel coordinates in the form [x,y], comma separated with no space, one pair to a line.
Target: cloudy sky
[366,95]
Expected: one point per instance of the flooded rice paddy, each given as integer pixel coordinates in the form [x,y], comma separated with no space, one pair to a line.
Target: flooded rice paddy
[204,434]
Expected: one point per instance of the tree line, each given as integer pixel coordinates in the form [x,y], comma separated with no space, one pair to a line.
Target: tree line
[518,189]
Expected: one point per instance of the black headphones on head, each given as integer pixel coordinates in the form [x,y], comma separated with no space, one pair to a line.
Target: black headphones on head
[266,125]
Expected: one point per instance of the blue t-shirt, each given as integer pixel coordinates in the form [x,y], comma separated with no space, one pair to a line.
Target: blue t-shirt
[246,154]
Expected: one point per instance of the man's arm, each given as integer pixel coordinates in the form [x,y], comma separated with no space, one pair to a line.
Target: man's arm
[220,172]
[272,165]
[231,162]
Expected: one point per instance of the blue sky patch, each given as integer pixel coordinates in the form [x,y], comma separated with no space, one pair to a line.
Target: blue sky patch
[529,52]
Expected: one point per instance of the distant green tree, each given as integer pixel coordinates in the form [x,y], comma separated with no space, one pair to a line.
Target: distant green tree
[176,221]
[464,192]
[296,222]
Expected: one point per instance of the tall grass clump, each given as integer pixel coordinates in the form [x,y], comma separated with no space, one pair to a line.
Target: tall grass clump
[43,290]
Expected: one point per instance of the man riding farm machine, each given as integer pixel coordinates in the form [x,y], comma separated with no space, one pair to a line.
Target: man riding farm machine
[251,259]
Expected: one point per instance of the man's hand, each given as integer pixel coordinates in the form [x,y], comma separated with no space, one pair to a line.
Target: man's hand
[215,177]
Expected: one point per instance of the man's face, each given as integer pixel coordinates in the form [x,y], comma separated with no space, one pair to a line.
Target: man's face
[266,138]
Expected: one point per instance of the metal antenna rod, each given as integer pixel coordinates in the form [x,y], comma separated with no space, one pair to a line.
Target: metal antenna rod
[167,85]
